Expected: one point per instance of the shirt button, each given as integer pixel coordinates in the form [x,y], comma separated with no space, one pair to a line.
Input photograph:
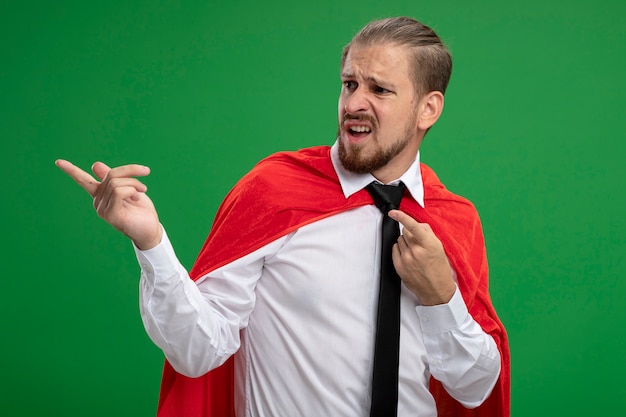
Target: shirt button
[424,318]
[148,268]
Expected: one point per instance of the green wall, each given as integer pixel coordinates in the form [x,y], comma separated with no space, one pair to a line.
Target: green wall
[533,132]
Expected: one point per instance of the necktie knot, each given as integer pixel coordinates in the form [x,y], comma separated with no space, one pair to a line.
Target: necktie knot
[386,197]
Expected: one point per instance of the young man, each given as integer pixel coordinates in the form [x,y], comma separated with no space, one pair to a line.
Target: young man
[287,282]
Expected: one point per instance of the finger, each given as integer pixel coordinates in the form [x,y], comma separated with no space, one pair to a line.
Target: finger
[412,229]
[82,178]
[100,169]
[106,202]
[106,205]
[402,245]
[401,255]
[131,170]
[118,189]
[110,186]
[396,256]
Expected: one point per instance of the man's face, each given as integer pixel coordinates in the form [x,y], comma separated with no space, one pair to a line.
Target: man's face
[377,112]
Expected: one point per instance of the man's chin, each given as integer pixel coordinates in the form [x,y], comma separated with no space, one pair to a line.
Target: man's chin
[352,158]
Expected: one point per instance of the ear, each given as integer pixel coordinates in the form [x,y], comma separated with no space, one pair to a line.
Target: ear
[429,109]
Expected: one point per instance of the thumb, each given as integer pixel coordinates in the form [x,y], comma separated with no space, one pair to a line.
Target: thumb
[100,169]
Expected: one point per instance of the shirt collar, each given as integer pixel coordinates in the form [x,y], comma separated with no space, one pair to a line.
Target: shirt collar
[352,182]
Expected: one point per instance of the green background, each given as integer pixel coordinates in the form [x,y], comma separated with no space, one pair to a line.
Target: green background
[533,132]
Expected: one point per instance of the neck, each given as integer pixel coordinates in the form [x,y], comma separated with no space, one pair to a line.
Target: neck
[396,167]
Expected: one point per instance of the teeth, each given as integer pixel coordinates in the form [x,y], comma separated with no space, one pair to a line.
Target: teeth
[360,129]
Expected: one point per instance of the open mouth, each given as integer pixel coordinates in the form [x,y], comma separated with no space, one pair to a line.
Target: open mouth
[357,131]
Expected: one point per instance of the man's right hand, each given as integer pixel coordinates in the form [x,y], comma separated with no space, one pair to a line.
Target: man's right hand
[120,199]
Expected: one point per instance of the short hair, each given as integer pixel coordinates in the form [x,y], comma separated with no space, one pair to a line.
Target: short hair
[431,63]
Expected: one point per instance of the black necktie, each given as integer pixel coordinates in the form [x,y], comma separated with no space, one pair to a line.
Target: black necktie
[387,343]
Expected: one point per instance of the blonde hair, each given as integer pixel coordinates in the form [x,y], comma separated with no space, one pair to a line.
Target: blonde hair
[431,63]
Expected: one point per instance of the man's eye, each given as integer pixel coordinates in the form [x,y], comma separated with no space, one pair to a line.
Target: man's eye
[381,90]
[350,85]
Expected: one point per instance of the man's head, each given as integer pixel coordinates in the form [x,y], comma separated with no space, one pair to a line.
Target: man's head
[430,61]
[394,73]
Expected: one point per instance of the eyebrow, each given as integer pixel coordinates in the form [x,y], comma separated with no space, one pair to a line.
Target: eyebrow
[370,78]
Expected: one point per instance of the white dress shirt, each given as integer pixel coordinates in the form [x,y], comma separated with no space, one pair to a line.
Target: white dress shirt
[300,315]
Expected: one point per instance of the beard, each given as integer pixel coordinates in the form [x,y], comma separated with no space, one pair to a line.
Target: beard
[357,158]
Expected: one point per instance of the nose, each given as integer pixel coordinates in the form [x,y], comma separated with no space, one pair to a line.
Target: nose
[356,101]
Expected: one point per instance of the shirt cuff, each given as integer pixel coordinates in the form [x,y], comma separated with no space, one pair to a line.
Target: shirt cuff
[444,317]
[160,260]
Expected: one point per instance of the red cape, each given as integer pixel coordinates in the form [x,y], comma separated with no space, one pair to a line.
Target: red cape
[291,189]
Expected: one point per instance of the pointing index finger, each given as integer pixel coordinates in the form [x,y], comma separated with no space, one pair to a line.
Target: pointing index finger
[82,178]
[412,226]
[403,218]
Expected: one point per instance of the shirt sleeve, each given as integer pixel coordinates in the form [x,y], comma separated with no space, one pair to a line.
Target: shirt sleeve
[461,355]
[197,330]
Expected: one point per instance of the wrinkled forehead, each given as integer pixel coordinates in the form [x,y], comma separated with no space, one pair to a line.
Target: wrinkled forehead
[377,60]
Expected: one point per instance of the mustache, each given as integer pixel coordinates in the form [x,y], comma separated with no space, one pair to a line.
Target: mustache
[359,116]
